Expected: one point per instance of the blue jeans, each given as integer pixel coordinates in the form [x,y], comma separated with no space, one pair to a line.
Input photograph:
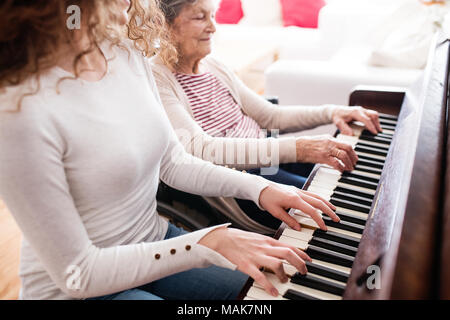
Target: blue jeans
[212,283]
[294,174]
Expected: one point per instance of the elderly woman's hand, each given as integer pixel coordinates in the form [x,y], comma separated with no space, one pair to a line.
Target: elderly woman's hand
[344,115]
[326,150]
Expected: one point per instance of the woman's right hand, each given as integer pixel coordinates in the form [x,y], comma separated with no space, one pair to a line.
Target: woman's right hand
[326,150]
[250,251]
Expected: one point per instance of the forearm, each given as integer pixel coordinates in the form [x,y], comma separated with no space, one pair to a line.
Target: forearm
[243,153]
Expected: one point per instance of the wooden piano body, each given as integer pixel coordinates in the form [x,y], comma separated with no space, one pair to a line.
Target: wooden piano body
[407,234]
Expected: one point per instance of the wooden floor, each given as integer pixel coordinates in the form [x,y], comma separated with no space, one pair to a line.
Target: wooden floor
[10,238]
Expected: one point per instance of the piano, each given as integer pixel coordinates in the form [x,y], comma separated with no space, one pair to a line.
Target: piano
[393,240]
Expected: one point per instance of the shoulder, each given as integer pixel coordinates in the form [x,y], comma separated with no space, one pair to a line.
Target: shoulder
[160,70]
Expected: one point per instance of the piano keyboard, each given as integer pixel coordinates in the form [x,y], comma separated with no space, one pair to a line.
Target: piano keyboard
[334,250]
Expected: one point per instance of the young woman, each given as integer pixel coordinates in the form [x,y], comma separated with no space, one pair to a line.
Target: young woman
[219,119]
[84,141]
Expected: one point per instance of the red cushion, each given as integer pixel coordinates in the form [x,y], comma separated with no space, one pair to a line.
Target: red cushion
[229,12]
[301,13]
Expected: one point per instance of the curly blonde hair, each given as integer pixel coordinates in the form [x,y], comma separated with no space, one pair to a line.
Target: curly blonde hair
[33,31]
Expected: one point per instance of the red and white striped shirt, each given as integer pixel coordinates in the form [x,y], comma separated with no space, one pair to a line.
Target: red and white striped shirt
[215,109]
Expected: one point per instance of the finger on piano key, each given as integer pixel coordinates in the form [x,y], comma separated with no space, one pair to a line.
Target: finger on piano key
[322,268]
[308,222]
[300,242]
[319,252]
[257,293]
[283,287]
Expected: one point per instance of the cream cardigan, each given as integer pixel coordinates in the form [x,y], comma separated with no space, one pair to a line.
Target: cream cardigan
[268,152]
[245,153]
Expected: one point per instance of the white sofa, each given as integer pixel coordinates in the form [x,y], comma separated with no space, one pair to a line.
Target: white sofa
[338,58]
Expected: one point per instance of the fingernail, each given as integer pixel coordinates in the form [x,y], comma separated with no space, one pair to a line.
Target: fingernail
[297,227]
[274,292]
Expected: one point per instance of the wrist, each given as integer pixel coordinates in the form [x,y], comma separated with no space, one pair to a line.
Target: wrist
[300,149]
[212,239]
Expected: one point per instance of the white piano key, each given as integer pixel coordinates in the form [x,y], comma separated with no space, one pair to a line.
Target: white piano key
[332,266]
[387,131]
[353,212]
[355,188]
[369,168]
[308,222]
[345,232]
[366,174]
[375,144]
[322,192]
[283,287]
[324,185]
[370,156]
[289,269]
[305,234]
[301,244]
[258,293]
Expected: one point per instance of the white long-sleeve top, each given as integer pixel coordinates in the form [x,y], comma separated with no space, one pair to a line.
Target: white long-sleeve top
[79,171]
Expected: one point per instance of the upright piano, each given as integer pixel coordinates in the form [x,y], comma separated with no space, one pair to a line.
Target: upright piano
[393,240]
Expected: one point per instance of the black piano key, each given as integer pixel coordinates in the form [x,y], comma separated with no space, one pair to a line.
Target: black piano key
[354,192]
[384,147]
[352,198]
[326,272]
[358,167]
[317,283]
[387,116]
[374,161]
[374,151]
[337,237]
[297,295]
[333,246]
[348,205]
[367,133]
[351,218]
[359,183]
[358,176]
[329,256]
[369,163]
[388,122]
[387,127]
[381,140]
[343,225]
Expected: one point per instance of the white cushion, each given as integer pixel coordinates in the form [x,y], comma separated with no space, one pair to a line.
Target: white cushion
[404,38]
[261,13]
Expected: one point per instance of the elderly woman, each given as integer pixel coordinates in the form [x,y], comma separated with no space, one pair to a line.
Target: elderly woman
[219,119]
[84,141]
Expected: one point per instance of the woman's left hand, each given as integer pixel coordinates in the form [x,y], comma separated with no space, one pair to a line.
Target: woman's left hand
[276,199]
[344,115]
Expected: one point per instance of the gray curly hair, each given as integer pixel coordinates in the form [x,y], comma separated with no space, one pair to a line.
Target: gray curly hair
[172,8]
